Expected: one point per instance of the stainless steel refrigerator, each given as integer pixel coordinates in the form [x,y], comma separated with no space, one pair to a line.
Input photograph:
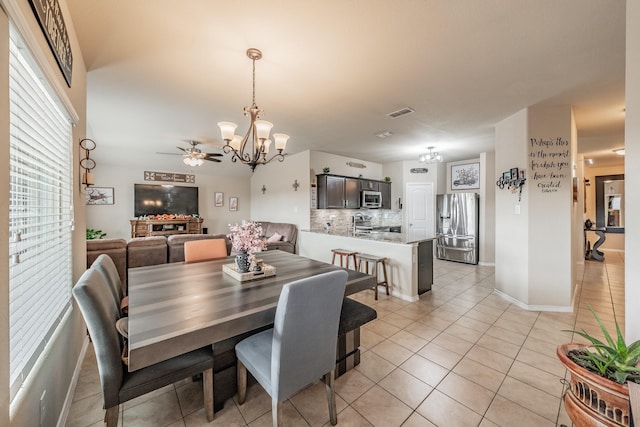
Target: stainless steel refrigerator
[457,223]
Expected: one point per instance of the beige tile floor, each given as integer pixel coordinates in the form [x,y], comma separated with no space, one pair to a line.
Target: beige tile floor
[460,356]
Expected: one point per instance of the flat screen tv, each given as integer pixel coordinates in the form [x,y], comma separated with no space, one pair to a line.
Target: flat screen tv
[165,199]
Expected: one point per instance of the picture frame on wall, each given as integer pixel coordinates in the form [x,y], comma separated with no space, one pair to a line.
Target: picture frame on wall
[100,196]
[233,203]
[506,176]
[465,176]
[514,173]
[219,199]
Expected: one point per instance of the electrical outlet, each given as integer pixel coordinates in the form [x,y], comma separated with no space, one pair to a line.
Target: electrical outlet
[517,210]
[43,408]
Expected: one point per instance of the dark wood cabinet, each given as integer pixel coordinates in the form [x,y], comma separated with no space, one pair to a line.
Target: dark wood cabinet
[385,189]
[368,185]
[343,192]
[338,192]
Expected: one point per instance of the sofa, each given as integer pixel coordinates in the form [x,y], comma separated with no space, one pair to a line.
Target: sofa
[144,251]
[288,232]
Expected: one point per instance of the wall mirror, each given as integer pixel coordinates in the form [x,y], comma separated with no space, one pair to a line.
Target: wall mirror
[610,202]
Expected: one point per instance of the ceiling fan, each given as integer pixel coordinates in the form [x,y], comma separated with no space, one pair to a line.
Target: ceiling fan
[193,156]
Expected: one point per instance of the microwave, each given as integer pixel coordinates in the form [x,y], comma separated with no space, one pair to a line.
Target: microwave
[371,199]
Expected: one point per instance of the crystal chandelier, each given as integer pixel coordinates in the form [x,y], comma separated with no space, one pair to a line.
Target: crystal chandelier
[258,131]
[430,157]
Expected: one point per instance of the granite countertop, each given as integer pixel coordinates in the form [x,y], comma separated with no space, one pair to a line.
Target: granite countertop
[382,236]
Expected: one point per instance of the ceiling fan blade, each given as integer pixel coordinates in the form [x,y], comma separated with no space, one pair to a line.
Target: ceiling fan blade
[212,160]
[206,155]
[180,148]
[171,154]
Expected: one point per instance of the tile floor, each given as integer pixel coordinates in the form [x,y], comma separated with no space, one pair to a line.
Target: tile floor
[460,356]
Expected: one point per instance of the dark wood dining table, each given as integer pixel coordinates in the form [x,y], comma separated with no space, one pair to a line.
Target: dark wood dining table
[175,308]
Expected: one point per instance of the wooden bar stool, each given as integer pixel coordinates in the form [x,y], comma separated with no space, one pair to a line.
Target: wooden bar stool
[376,261]
[343,253]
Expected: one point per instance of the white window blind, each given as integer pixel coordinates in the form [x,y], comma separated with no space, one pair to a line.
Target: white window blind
[40,213]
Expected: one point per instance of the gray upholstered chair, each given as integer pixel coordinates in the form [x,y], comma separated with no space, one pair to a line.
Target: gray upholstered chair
[95,300]
[105,266]
[301,346]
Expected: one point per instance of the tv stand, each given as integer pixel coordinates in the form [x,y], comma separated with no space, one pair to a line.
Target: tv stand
[163,227]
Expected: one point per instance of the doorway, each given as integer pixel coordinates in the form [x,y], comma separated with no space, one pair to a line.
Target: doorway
[420,210]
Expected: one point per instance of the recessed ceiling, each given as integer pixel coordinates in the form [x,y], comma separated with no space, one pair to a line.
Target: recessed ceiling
[164,72]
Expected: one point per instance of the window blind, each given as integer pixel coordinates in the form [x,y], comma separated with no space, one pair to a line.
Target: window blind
[40,213]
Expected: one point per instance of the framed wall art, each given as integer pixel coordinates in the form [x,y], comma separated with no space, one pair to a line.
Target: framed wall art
[100,196]
[465,176]
[219,199]
[233,203]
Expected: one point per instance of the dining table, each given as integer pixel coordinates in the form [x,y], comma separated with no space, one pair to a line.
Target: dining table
[177,307]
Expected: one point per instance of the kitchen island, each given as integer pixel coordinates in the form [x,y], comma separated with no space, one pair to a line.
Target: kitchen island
[409,265]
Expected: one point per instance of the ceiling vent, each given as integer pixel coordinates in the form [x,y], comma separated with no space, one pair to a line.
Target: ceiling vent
[400,112]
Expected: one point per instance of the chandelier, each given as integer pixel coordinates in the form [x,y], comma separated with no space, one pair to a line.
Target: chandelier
[258,132]
[430,157]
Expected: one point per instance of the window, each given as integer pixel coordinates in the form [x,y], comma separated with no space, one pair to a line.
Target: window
[40,213]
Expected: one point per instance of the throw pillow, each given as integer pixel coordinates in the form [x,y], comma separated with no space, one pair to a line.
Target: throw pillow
[275,238]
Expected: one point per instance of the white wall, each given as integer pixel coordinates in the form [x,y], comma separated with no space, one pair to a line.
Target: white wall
[550,219]
[487,238]
[281,202]
[632,173]
[56,373]
[338,166]
[512,231]
[114,219]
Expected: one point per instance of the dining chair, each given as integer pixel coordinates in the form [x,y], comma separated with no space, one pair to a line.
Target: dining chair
[301,346]
[105,266]
[203,250]
[95,300]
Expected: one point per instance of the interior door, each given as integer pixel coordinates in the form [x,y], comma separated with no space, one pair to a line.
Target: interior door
[420,210]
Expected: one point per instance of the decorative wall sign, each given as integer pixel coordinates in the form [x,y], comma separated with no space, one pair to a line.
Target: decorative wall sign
[356,165]
[55,31]
[170,177]
[233,203]
[219,199]
[550,161]
[419,170]
[100,196]
[465,177]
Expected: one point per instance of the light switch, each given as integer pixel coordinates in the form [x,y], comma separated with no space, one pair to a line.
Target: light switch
[517,209]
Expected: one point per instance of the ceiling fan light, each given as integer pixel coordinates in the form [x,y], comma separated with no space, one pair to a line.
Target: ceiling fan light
[263,128]
[280,141]
[227,130]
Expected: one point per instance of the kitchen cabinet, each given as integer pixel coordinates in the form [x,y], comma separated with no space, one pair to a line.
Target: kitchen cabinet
[368,185]
[385,189]
[338,192]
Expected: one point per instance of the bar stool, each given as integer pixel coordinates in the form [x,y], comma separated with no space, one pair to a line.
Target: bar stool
[343,253]
[377,261]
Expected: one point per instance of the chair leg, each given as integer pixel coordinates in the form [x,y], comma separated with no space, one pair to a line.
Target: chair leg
[276,413]
[111,416]
[331,397]
[241,373]
[207,388]
[384,273]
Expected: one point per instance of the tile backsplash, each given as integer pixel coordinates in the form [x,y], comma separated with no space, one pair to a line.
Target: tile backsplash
[341,219]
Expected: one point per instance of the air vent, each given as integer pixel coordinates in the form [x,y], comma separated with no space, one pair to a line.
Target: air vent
[401,112]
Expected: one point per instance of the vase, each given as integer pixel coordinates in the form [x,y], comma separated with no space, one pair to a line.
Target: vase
[242,261]
[592,400]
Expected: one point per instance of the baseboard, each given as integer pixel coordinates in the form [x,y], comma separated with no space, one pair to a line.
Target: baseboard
[64,414]
[487,264]
[557,308]
[404,297]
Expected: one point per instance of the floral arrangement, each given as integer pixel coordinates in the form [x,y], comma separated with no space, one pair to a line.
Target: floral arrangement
[247,237]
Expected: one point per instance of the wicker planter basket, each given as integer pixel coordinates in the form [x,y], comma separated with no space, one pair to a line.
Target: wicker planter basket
[592,400]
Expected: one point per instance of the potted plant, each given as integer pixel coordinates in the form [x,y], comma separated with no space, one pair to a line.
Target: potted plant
[598,394]
[95,234]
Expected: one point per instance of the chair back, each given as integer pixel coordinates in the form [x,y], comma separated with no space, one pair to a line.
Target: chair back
[306,331]
[105,266]
[95,300]
[203,250]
